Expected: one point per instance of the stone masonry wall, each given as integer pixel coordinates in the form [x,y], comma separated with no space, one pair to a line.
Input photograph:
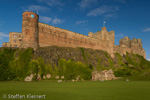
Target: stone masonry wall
[30,30]
[131,46]
[50,35]
[15,39]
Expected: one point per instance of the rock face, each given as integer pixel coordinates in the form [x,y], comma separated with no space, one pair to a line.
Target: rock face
[52,55]
[38,77]
[103,75]
[48,76]
[44,77]
[29,78]
[62,77]
[57,77]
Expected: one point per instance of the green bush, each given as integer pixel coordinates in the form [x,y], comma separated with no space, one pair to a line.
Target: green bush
[121,72]
[109,60]
[33,65]
[6,56]
[38,66]
[71,70]
[20,65]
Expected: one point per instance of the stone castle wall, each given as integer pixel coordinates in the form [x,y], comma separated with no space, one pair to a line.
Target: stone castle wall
[50,35]
[15,39]
[128,45]
[35,34]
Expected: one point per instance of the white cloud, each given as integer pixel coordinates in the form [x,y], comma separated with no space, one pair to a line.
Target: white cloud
[87,3]
[3,35]
[53,2]
[146,30]
[36,8]
[45,19]
[121,35]
[57,21]
[112,15]
[81,22]
[103,10]
[148,59]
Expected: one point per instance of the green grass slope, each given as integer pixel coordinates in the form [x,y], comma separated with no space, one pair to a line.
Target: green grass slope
[16,64]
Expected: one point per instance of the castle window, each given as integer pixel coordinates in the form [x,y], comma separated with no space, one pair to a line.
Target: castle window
[14,36]
[70,41]
[65,36]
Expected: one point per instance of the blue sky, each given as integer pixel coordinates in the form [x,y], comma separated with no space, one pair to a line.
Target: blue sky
[126,17]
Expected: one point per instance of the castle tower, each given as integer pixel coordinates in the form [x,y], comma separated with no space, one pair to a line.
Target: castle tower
[30,30]
[109,39]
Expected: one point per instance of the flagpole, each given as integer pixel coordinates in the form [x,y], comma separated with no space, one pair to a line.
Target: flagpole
[104,24]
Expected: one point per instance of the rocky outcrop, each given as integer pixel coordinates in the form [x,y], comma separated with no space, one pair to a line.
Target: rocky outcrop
[38,77]
[48,76]
[29,78]
[103,75]
[52,55]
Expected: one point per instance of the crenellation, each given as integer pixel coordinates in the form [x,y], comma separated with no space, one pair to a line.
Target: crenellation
[132,46]
[125,41]
[36,34]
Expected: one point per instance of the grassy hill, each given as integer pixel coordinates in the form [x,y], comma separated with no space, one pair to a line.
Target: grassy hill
[16,64]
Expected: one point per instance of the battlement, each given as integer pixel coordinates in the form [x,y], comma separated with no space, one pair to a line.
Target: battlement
[103,35]
[35,34]
[128,45]
[126,41]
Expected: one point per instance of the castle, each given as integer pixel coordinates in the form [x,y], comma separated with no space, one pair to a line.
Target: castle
[35,34]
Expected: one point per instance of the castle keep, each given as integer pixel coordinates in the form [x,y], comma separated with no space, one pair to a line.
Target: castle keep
[35,34]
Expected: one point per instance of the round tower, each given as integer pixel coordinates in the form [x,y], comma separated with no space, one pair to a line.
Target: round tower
[30,30]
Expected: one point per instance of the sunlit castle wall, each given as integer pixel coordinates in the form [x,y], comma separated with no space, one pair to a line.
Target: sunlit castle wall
[50,35]
[35,34]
